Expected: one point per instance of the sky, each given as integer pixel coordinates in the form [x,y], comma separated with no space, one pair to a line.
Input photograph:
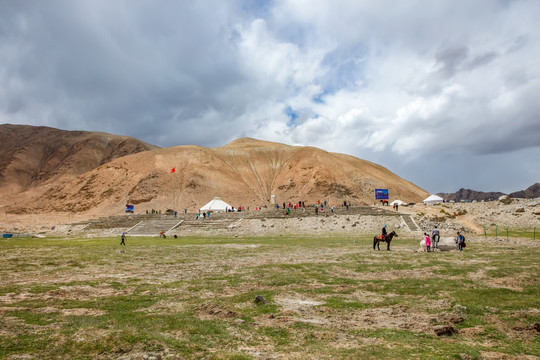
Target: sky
[445,94]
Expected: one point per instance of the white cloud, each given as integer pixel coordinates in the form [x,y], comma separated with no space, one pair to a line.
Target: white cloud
[397,82]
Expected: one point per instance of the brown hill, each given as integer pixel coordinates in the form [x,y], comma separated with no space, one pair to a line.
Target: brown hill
[246,172]
[36,157]
[532,192]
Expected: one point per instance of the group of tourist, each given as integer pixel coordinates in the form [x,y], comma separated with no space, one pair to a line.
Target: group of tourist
[436,236]
[204,215]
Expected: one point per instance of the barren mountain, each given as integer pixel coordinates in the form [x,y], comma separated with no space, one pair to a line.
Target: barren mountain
[531,192]
[470,195]
[34,156]
[246,172]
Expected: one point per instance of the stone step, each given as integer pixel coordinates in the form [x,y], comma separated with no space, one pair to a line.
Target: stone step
[154,226]
[410,222]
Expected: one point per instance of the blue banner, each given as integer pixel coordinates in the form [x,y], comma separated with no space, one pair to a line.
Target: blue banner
[381,194]
[130,208]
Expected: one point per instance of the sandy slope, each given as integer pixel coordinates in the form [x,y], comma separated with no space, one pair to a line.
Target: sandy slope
[34,158]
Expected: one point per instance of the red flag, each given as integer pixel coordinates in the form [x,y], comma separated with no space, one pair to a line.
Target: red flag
[173,169]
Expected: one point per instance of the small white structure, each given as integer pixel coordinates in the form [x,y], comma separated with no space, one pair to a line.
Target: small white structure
[399,202]
[433,199]
[215,205]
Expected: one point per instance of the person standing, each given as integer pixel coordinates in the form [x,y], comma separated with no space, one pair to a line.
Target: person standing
[435,235]
[460,240]
[123,242]
[427,241]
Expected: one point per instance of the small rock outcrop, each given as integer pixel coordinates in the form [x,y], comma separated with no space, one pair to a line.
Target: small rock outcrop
[445,244]
[505,199]
[448,330]
[259,299]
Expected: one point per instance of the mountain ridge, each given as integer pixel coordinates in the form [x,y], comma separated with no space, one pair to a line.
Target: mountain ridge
[462,194]
[246,172]
[34,156]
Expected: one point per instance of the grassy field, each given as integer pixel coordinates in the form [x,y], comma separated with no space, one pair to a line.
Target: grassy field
[327,297]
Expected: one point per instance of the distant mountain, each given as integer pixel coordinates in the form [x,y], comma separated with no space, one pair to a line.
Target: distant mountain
[532,192]
[36,156]
[470,195]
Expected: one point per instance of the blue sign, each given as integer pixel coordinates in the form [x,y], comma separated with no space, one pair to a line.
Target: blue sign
[381,194]
[130,208]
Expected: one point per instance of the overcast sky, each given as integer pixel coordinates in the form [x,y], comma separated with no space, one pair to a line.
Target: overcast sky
[445,94]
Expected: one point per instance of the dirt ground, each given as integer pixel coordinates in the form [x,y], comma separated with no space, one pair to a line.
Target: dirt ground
[334,296]
[327,290]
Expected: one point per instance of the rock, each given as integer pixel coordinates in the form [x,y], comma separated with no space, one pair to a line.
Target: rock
[520,210]
[441,330]
[460,308]
[445,244]
[259,299]
[151,356]
[505,199]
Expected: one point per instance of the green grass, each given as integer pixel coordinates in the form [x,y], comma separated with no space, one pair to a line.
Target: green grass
[193,297]
[502,232]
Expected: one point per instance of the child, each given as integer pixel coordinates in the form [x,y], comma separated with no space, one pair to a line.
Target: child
[428,242]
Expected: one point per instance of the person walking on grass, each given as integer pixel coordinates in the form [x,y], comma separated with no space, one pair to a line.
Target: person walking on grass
[123,242]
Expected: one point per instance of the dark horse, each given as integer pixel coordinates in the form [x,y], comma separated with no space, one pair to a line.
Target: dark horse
[377,239]
[384,202]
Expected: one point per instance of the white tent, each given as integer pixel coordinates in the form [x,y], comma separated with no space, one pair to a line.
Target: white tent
[215,205]
[433,199]
[399,202]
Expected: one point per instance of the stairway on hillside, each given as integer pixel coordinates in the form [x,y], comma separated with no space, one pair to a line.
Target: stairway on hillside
[410,222]
[209,223]
[153,227]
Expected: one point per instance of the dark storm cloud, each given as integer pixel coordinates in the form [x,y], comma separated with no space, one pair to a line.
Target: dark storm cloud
[105,66]
[450,59]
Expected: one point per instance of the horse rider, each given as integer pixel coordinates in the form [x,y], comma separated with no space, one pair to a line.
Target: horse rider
[384,233]
[435,235]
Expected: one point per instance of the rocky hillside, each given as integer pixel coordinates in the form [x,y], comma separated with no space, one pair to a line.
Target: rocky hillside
[532,192]
[246,172]
[470,195]
[35,156]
